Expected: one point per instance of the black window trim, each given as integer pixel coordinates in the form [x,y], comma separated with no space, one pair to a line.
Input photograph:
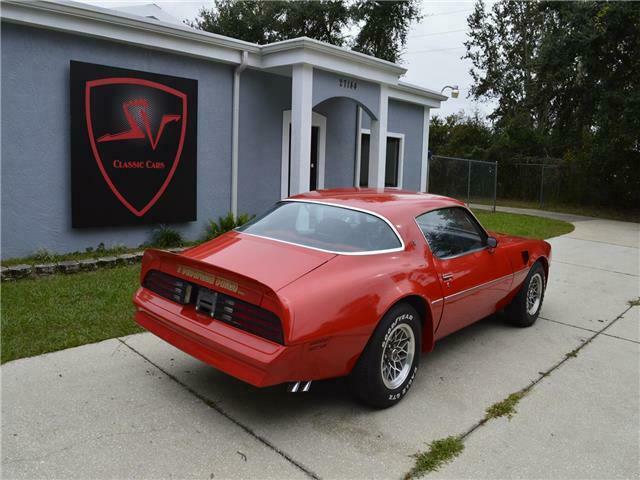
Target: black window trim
[474,219]
[400,137]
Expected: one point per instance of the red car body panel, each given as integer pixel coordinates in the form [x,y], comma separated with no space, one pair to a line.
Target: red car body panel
[272,263]
[329,304]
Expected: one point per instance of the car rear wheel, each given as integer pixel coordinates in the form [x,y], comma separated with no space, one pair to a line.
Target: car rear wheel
[387,367]
[524,309]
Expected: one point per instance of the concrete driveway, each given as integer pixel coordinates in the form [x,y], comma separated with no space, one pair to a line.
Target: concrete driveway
[137,407]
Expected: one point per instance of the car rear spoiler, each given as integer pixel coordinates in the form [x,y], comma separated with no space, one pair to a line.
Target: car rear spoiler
[208,275]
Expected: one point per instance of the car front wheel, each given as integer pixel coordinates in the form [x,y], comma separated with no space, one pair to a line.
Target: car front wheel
[387,367]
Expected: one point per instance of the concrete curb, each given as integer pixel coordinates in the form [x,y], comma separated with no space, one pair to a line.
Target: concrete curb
[23,271]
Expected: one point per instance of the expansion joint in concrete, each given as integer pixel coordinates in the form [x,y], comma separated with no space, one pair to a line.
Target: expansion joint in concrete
[588,330]
[228,416]
[548,372]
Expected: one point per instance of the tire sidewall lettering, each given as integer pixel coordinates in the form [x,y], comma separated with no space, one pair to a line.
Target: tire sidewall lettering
[537,312]
[398,319]
[367,379]
[404,388]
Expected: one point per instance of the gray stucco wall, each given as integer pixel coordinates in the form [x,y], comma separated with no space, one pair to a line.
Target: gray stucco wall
[35,150]
[263,98]
[406,118]
[327,85]
[36,198]
[341,141]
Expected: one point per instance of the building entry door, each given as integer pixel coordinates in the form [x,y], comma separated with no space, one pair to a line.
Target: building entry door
[316,165]
[313,170]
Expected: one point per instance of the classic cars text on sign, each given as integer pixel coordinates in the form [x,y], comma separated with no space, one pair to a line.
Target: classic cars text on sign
[133,147]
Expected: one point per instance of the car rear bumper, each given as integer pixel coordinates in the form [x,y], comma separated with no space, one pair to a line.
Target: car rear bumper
[247,357]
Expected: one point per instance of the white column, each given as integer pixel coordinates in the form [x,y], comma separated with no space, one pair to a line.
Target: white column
[378,142]
[424,172]
[356,180]
[301,103]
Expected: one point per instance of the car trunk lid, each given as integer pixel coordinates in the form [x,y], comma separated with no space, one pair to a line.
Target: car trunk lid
[269,262]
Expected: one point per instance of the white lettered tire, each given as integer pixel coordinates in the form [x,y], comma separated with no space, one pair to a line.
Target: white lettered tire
[388,365]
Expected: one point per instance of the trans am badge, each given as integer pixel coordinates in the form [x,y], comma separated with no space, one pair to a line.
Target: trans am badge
[135,159]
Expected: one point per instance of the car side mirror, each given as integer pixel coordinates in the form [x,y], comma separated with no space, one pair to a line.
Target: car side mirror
[492,242]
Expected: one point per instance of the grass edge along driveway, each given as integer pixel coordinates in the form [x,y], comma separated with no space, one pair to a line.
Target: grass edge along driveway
[61,311]
[53,313]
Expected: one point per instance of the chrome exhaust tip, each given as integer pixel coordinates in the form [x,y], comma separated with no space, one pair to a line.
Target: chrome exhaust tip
[293,387]
[300,386]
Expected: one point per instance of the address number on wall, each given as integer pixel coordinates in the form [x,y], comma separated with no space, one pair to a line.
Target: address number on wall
[347,83]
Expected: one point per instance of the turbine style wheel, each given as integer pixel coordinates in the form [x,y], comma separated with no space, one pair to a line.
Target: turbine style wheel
[387,367]
[534,294]
[397,356]
[524,309]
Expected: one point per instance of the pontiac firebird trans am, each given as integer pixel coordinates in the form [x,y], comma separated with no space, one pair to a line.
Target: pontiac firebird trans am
[355,282]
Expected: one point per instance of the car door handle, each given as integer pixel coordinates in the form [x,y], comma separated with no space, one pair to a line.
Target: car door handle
[447,277]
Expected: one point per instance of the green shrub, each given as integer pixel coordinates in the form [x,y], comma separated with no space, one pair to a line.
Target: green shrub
[118,248]
[166,237]
[42,255]
[225,224]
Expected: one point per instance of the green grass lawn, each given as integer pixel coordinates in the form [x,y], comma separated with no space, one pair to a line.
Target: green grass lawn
[522,225]
[52,313]
[62,311]
[609,213]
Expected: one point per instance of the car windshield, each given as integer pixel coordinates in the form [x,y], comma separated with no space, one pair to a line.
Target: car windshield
[324,227]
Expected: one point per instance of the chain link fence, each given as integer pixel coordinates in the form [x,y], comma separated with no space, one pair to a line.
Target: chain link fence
[473,181]
[532,184]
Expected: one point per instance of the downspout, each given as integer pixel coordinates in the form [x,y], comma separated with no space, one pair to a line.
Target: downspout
[235,126]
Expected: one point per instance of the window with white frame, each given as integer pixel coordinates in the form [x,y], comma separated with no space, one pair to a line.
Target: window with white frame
[394,163]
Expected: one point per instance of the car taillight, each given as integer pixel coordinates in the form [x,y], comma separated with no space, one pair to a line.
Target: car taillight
[217,305]
[168,286]
[248,317]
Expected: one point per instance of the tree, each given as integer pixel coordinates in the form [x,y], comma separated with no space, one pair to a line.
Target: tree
[377,28]
[256,22]
[384,27]
[458,135]
[501,47]
[271,21]
[565,76]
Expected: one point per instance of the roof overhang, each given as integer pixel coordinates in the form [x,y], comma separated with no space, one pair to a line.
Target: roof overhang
[331,58]
[114,25]
[415,94]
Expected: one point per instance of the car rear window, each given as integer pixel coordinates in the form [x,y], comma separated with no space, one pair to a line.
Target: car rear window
[325,227]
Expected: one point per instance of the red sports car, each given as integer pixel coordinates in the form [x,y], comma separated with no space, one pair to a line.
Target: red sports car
[330,283]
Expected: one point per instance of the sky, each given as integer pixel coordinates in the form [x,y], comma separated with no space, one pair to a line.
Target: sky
[432,56]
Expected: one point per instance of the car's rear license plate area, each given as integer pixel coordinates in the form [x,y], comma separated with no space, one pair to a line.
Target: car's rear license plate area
[206,301]
[211,305]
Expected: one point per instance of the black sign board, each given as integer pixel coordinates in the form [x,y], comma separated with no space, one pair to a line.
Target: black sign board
[133,147]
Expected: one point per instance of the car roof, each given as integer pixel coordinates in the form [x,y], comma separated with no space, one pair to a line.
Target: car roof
[392,203]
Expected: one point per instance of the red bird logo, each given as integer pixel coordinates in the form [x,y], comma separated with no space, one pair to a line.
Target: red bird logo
[135,131]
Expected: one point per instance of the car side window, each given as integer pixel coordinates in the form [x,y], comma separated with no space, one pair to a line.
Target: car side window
[451,231]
